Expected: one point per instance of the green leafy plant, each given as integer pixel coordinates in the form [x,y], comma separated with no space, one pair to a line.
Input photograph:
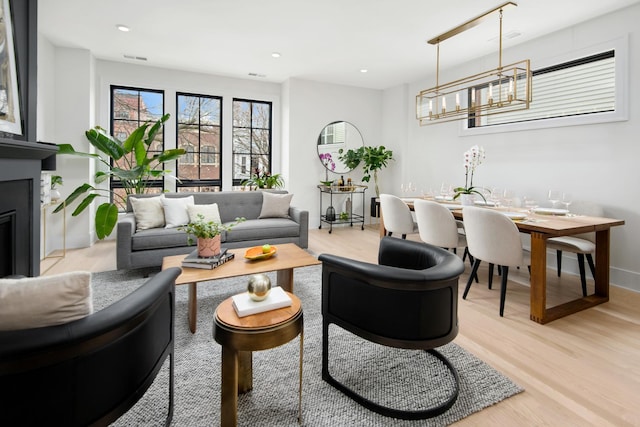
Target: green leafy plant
[372,158]
[263,179]
[472,159]
[55,181]
[202,229]
[129,162]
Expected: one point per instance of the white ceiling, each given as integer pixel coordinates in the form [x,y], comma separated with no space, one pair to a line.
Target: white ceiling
[326,40]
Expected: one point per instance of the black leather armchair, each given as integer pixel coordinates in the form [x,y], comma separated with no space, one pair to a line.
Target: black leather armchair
[409,300]
[92,370]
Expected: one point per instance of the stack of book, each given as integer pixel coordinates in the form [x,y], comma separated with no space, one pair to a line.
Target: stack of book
[194,261]
[277,298]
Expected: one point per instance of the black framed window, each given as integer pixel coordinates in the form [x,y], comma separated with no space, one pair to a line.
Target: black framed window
[252,137]
[199,132]
[130,108]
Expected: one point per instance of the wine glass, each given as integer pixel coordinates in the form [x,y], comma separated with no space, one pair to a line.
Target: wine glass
[427,193]
[554,197]
[407,189]
[446,191]
[530,204]
[496,196]
[567,199]
[509,195]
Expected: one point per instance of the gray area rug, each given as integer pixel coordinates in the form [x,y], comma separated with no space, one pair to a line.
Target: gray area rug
[403,379]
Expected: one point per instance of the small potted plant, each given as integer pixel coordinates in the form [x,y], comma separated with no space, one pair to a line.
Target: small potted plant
[328,163]
[472,159]
[263,180]
[372,159]
[55,181]
[207,234]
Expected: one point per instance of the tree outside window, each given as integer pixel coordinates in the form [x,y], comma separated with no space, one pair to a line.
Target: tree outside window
[199,132]
[131,108]
[252,133]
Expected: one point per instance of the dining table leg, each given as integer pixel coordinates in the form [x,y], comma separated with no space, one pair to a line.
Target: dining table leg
[602,263]
[538,293]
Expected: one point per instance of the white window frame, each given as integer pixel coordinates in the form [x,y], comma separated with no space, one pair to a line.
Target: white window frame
[621,47]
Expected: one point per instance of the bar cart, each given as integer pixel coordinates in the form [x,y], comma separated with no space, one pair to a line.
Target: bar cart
[331,218]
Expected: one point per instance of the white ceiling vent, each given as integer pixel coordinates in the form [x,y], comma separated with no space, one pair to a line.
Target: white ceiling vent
[139,58]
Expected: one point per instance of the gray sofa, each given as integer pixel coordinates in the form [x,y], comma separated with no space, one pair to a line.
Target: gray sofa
[146,248]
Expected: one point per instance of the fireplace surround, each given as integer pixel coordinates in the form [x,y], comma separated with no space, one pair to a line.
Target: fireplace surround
[20,167]
[20,156]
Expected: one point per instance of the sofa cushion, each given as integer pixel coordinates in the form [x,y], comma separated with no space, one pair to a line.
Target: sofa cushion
[209,212]
[158,238]
[263,229]
[35,302]
[175,211]
[148,212]
[275,205]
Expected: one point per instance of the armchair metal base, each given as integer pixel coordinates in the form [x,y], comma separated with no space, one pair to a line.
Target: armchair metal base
[398,413]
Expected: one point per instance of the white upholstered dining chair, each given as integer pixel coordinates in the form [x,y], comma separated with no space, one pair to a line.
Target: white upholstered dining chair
[494,238]
[438,227]
[397,216]
[583,245]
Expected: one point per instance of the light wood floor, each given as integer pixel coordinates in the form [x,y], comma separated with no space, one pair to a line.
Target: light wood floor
[582,370]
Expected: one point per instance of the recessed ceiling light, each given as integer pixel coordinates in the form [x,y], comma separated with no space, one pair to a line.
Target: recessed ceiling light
[123,28]
[364,70]
[276,54]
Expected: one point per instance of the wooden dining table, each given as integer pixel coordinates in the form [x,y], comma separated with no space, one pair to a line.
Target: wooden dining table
[542,227]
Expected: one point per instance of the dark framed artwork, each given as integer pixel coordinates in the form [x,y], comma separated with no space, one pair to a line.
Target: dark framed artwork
[10,120]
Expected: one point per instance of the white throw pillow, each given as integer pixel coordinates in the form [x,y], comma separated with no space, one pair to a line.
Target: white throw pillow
[275,205]
[210,212]
[175,211]
[35,302]
[148,212]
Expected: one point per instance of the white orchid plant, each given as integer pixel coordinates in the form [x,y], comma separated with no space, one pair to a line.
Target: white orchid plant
[472,159]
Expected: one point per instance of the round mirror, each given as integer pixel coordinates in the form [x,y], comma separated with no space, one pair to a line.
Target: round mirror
[333,137]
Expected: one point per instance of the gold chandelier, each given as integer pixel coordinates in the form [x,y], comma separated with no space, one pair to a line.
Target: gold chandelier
[503,89]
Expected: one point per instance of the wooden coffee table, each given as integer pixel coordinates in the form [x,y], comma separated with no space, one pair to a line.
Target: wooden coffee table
[288,257]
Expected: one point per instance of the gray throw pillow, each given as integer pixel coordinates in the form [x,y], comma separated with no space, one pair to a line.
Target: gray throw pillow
[275,205]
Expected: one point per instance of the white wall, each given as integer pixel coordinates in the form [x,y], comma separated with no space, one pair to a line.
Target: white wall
[312,106]
[65,108]
[595,162]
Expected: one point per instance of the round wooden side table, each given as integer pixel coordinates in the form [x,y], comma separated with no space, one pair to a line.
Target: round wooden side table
[240,336]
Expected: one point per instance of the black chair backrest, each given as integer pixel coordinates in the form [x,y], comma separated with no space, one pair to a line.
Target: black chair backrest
[92,370]
[409,300]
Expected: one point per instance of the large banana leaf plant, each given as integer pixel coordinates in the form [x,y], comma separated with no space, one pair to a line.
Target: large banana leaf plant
[127,161]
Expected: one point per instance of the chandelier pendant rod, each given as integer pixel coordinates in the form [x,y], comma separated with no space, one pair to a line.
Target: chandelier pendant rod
[468,25]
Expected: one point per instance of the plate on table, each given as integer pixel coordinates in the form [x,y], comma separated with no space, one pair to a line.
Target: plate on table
[483,203]
[551,211]
[257,253]
[515,215]
[451,206]
[444,198]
